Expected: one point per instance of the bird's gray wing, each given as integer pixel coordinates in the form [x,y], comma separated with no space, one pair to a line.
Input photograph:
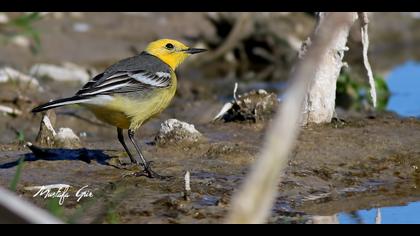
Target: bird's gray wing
[139,73]
[126,82]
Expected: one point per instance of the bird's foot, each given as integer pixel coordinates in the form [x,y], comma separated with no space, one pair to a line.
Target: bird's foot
[148,172]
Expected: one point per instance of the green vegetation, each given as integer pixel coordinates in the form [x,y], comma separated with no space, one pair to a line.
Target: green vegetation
[354,95]
[112,217]
[22,25]
[16,178]
[20,135]
[54,207]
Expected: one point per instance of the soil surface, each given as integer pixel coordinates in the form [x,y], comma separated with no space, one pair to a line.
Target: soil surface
[363,163]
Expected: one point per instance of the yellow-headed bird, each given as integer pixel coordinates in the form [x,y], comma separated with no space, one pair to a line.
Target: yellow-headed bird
[132,91]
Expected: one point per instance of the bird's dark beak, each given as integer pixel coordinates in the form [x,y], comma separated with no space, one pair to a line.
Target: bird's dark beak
[194,50]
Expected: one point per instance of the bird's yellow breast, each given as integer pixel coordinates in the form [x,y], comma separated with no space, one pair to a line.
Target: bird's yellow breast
[130,112]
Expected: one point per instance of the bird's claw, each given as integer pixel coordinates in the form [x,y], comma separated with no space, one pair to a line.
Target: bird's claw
[148,172]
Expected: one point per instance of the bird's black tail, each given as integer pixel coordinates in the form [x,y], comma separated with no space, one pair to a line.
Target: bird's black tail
[59,103]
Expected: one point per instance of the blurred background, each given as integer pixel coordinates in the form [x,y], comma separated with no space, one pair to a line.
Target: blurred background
[259,55]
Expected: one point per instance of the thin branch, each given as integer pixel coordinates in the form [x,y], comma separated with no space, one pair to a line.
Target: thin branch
[364,21]
[240,30]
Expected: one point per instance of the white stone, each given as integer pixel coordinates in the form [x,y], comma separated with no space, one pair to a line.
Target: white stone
[81,27]
[65,72]
[8,74]
[10,110]
[48,125]
[175,131]
[4,19]
[173,124]
[64,134]
[21,41]
[66,138]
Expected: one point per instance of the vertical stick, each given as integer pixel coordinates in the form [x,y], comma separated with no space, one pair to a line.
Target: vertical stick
[187,186]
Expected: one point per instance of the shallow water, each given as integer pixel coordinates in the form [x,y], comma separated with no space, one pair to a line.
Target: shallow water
[404,84]
[408,214]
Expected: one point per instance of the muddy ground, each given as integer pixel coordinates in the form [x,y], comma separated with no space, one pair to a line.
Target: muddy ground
[365,162]
[369,161]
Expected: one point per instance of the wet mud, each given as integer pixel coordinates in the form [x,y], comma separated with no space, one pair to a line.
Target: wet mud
[368,161]
[364,162]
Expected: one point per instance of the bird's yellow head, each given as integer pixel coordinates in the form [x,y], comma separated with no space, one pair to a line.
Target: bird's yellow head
[171,51]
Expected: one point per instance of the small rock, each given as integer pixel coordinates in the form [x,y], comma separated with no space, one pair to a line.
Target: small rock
[175,131]
[81,27]
[21,41]
[46,132]
[10,110]
[48,137]
[8,74]
[66,138]
[65,72]
[4,19]
[254,106]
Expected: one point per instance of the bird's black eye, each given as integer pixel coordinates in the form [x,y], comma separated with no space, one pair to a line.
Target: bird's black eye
[169,46]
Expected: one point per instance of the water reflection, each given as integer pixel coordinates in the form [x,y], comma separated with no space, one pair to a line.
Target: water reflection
[404,84]
[325,219]
[409,214]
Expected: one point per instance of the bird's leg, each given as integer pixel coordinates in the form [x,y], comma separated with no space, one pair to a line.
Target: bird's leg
[131,136]
[146,165]
[121,139]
